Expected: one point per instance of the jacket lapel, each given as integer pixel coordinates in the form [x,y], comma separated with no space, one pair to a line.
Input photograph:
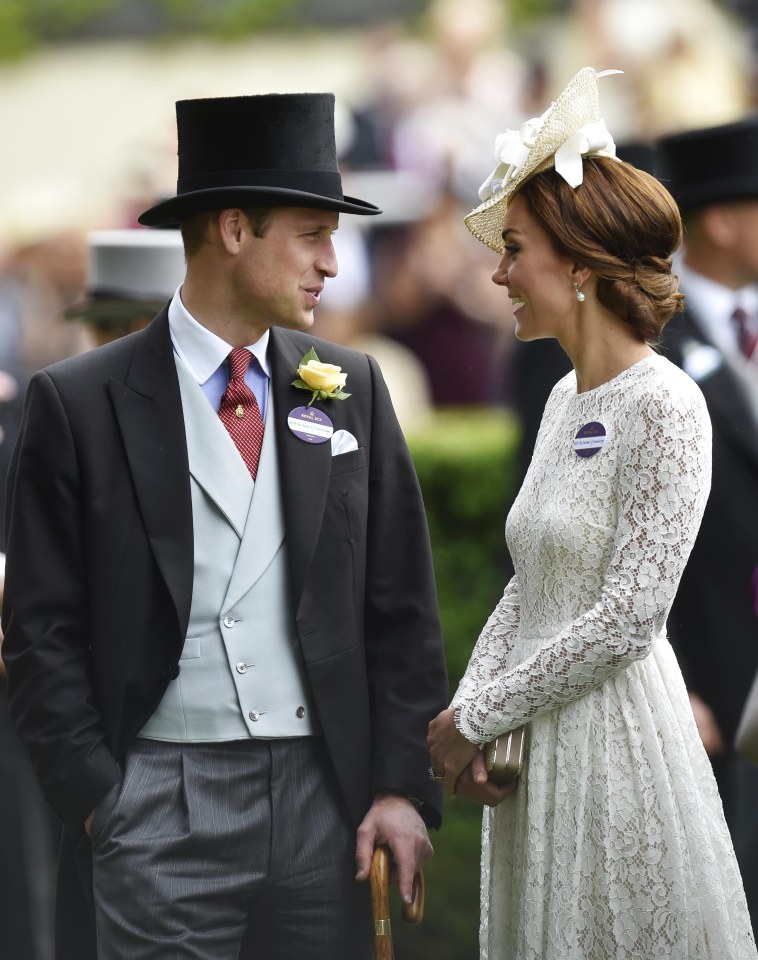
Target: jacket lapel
[149,412]
[304,467]
[726,397]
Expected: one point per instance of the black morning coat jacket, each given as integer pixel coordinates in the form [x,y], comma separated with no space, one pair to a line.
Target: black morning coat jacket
[100,569]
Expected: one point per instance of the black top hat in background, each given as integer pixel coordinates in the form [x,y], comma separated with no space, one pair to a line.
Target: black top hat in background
[711,165]
[275,149]
[641,154]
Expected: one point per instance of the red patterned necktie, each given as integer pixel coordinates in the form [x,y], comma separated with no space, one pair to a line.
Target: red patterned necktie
[239,411]
[747,335]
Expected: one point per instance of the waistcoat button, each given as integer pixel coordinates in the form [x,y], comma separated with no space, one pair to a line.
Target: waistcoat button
[300,712]
[228,621]
[254,715]
[241,668]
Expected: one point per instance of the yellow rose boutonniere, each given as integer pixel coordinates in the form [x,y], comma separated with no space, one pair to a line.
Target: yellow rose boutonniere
[324,380]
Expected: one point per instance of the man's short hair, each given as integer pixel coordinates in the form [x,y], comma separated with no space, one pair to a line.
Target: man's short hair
[195,228]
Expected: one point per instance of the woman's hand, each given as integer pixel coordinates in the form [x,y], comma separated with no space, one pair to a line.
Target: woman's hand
[474,784]
[449,750]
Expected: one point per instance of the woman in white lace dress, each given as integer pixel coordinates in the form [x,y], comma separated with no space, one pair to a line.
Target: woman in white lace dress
[612,845]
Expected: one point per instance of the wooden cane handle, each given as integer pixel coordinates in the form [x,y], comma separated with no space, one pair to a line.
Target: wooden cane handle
[380,903]
[412,912]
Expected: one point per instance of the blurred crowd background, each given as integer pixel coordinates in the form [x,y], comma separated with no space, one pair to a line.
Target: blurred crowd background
[87,92]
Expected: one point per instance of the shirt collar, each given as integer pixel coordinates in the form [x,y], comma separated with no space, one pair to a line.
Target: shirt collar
[201,350]
[714,305]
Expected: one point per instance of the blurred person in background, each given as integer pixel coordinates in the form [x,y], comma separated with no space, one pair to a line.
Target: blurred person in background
[612,842]
[345,317]
[41,275]
[27,845]
[446,132]
[686,62]
[426,297]
[131,274]
[239,648]
[713,174]
[42,270]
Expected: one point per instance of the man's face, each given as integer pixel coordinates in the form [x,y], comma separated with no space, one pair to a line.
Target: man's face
[279,277]
[744,222]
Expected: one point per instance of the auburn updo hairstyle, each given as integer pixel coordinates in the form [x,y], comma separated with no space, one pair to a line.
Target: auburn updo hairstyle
[624,225]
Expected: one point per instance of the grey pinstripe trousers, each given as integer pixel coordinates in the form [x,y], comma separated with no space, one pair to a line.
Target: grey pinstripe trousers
[214,851]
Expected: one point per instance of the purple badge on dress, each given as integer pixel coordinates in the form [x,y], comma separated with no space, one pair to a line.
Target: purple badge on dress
[310,425]
[590,439]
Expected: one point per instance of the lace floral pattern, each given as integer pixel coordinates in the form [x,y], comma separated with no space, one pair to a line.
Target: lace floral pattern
[614,846]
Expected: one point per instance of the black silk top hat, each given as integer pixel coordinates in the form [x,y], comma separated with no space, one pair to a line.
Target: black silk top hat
[277,149]
[711,165]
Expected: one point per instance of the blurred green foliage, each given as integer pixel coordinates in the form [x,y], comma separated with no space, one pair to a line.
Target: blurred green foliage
[467,466]
[523,12]
[28,24]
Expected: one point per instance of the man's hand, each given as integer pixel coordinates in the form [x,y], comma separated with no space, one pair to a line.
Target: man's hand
[394,820]
[449,750]
[473,783]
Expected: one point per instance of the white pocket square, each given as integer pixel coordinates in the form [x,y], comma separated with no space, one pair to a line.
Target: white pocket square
[343,442]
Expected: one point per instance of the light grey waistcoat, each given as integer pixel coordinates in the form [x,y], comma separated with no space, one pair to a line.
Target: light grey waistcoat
[241,672]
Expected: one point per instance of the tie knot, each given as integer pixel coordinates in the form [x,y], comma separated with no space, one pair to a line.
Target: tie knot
[739,318]
[747,335]
[239,361]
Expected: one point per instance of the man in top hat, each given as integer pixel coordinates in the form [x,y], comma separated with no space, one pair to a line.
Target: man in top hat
[713,174]
[221,626]
[130,276]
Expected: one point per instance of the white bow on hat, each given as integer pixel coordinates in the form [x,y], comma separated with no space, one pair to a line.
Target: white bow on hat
[567,131]
[512,148]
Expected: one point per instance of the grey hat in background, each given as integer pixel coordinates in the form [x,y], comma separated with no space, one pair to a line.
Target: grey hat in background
[129,271]
[712,164]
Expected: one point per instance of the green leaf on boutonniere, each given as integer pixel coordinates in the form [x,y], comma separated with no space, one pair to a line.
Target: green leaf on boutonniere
[306,358]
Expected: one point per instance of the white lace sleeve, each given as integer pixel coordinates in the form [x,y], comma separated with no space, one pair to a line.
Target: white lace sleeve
[662,485]
[489,654]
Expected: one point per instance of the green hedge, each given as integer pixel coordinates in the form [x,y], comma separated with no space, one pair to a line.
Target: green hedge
[467,466]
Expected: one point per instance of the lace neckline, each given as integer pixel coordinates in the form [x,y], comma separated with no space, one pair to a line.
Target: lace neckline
[620,378]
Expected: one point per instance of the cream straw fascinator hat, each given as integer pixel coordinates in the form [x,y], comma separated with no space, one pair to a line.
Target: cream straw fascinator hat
[568,130]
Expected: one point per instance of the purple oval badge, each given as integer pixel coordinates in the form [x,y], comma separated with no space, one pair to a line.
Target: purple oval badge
[590,439]
[310,425]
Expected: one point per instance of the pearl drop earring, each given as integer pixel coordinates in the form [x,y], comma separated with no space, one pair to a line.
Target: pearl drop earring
[579,295]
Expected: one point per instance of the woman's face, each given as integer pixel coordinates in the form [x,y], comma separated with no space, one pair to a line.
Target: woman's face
[539,280]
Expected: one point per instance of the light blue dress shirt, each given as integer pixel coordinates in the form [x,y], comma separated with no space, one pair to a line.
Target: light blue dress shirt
[205,355]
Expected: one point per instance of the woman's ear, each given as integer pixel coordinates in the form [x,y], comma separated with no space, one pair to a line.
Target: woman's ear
[579,277]
[579,273]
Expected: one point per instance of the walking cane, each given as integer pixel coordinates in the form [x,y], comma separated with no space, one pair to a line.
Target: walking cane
[413,912]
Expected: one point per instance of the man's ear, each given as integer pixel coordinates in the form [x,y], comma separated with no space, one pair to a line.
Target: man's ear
[230,226]
[717,223]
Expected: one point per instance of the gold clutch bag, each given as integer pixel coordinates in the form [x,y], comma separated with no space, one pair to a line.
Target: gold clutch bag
[504,756]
